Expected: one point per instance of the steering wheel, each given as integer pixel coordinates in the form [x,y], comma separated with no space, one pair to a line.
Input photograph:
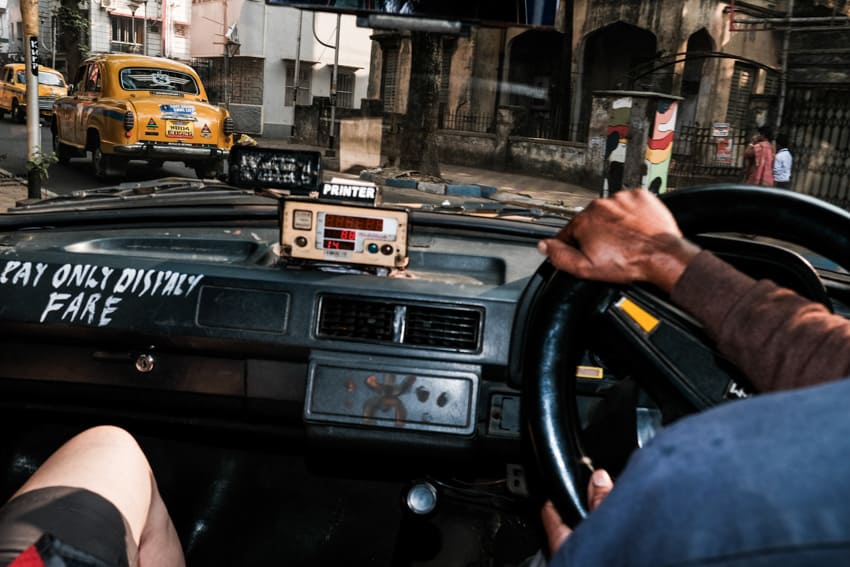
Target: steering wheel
[560,316]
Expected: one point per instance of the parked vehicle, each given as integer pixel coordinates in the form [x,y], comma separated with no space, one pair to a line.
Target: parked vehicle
[13,91]
[133,107]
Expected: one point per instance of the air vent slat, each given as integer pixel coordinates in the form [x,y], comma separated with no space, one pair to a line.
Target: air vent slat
[349,318]
[427,325]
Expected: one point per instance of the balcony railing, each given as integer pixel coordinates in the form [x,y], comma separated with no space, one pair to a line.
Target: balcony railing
[125,47]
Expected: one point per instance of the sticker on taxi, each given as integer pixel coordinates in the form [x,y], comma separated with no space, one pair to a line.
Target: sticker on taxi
[179,129]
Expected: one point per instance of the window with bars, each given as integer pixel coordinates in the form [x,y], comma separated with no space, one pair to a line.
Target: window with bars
[304,86]
[445,72]
[389,74]
[771,84]
[345,89]
[127,33]
[739,95]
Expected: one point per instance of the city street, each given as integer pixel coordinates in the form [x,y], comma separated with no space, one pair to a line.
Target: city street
[78,173]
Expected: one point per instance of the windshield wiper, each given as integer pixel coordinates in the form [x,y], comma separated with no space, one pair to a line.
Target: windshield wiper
[499,210]
[166,185]
[139,192]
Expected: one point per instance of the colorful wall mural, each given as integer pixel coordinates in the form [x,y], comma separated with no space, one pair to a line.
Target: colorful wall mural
[615,144]
[659,146]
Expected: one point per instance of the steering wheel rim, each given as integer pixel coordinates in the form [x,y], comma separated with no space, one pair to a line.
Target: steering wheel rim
[556,339]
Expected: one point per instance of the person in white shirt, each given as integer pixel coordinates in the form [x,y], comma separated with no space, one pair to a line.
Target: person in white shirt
[782,163]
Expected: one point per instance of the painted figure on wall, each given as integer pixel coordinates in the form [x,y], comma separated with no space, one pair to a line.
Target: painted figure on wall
[659,147]
[615,145]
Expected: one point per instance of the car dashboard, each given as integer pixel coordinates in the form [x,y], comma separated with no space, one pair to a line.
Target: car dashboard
[206,324]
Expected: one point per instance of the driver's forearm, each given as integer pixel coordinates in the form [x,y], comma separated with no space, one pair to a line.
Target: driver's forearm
[777,338]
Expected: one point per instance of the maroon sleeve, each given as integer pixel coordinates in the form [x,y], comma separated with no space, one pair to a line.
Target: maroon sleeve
[777,338]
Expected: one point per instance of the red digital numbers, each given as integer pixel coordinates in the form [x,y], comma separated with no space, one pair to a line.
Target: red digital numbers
[338,245]
[354,223]
[340,234]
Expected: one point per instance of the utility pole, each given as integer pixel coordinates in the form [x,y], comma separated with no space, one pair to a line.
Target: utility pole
[332,135]
[29,14]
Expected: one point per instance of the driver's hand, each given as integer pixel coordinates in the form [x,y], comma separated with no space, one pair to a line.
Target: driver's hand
[556,530]
[626,238]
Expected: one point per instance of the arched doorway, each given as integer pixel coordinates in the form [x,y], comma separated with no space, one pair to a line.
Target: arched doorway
[534,80]
[699,43]
[611,54]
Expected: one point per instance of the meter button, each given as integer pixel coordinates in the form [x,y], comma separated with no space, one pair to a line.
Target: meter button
[373,248]
[300,241]
[387,249]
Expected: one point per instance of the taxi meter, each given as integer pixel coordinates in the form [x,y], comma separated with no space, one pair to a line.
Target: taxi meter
[351,234]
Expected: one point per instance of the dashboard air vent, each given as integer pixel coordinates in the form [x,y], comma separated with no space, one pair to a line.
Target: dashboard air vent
[442,328]
[355,319]
[419,324]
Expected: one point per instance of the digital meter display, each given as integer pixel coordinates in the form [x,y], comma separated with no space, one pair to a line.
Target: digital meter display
[355,223]
[349,232]
[330,232]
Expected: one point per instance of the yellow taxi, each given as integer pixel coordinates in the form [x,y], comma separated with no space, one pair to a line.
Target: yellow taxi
[13,90]
[133,107]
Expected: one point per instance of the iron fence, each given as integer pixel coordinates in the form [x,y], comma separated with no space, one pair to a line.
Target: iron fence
[817,121]
[467,122]
[700,154]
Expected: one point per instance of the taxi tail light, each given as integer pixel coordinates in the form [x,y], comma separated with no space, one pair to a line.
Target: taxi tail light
[129,120]
[229,127]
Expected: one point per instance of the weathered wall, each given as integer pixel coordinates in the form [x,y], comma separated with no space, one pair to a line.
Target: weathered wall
[359,143]
[673,22]
[810,63]
[467,148]
[246,80]
[550,158]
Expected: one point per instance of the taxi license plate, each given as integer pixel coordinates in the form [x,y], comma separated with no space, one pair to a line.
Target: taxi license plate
[179,129]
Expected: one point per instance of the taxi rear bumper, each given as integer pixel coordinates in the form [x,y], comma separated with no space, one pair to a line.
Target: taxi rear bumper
[152,150]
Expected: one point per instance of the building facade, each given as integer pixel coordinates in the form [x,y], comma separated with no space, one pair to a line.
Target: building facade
[255,73]
[71,29]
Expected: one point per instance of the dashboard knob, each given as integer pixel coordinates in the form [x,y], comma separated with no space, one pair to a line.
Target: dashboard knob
[421,498]
[145,363]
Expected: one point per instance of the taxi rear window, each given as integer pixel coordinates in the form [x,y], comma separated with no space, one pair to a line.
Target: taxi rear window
[151,79]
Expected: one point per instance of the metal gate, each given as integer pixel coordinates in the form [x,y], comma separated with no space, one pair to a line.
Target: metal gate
[817,120]
[700,156]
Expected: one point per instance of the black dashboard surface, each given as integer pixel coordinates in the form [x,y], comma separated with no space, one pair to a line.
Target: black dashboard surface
[207,323]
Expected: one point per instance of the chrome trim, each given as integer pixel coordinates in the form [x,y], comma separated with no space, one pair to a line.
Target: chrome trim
[165,151]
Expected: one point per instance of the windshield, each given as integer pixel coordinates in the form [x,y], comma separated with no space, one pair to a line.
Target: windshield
[304,248]
[541,105]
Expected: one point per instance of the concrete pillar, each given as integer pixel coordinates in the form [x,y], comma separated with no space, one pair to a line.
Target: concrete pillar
[633,137]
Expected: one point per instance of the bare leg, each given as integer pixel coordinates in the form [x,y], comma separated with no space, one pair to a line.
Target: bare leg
[108,461]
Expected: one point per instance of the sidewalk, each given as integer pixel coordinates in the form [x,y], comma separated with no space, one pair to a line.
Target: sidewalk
[12,190]
[510,188]
[513,188]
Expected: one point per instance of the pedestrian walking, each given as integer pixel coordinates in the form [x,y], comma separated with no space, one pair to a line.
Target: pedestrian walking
[758,159]
[782,163]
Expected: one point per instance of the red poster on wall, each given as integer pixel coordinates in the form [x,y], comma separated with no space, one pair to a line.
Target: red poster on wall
[724,151]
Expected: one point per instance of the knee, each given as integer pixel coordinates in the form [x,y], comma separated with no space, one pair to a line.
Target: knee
[109,435]
[115,441]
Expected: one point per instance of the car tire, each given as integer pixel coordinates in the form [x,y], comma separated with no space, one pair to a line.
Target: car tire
[99,162]
[2,113]
[63,151]
[19,115]
[105,165]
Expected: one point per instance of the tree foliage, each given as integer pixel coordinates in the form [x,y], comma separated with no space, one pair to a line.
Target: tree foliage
[73,33]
